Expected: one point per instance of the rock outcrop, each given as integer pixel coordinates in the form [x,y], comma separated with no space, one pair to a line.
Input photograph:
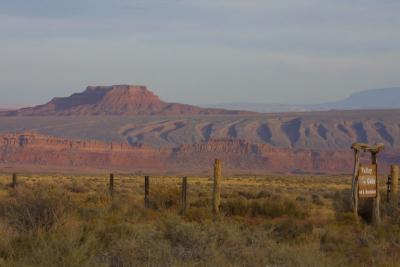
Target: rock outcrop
[238,156]
[47,151]
[114,100]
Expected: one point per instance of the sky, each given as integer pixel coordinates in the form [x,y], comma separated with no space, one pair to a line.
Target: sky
[199,51]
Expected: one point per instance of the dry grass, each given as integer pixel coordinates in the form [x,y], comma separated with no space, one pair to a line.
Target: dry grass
[265,221]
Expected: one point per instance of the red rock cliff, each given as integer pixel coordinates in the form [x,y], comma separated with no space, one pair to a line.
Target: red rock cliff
[238,156]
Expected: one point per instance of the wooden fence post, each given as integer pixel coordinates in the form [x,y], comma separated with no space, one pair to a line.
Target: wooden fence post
[217,186]
[354,193]
[394,173]
[146,191]
[111,185]
[184,196]
[376,210]
[14,181]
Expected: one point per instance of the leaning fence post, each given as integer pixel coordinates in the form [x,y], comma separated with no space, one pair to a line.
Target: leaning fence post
[111,184]
[184,196]
[146,191]
[376,200]
[394,173]
[217,186]
[14,180]
[389,188]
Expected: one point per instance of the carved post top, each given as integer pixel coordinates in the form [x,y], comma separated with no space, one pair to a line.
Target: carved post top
[368,148]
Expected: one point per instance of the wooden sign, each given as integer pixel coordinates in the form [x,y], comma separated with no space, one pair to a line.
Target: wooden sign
[367,181]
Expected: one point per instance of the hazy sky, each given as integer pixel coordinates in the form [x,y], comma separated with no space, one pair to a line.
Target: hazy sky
[199,51]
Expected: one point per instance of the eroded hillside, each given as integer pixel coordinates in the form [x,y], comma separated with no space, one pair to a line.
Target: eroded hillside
[330,130]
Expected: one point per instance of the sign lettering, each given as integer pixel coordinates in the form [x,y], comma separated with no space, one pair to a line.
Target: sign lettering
[367,181]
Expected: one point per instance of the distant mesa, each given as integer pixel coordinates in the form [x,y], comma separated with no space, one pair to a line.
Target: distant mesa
[115,100]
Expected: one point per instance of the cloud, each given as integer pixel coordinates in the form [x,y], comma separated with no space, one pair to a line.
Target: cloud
[304,26]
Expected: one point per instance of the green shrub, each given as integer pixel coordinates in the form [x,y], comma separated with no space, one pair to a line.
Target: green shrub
[198,215]
[345,218]
[164,198]
[264,194]
[7,234]
[264,208]
[255,195]
[316,199]
[291,230]
[201,203]
[235,207]
[189,241]
[341,201]
[70,246]
[78,187]
[274,209]
[39,208]
[247,195]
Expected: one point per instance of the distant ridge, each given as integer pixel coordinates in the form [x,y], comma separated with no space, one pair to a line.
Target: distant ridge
[386,98]
[114,100]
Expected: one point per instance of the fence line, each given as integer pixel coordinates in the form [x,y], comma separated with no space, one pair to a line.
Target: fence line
[392,188]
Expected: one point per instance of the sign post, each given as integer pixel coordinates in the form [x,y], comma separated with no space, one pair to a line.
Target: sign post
[365,183]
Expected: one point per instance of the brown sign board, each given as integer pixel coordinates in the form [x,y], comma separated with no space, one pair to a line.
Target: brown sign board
[367,181]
